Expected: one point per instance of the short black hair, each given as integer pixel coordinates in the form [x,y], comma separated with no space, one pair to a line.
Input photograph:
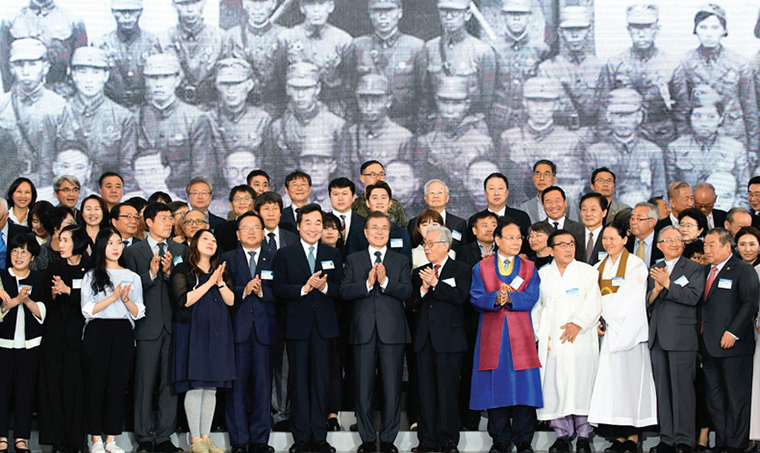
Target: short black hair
[116,210]
[495,175]
[483,215]
[546,162]
[504,221]
[137,203]
[267,198]
[602,170]
[554,234]
[54,218]
[341,183]
[15,184]
[27,241]
[377,215]
[242,188]
[248,214]
[618,226]
[378,185]
[753,180]
[255,173]
[108,174]
[297,174]
[176,205]
[552,189]
[152,209]
[308,209]
[368,163]
[79,237]
[603,203]
[159,197]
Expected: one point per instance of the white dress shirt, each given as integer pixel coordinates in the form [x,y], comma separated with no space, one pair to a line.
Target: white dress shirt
[306,246]
[372,259]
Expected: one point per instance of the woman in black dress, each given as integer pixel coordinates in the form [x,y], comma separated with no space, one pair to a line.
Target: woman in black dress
[204,355]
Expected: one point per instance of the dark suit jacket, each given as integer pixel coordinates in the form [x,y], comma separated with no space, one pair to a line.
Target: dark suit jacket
[226,235]
[357,227]
[441,311]
[656,253]
[594,258]
[291,271]
[381,309]
[663,223]
[673,314]
[288,219]
[469,254]
[253,313]
[214,220]
[522,219]
[731,310]
[719,217]
[158,303]
[453,223]
[578,231]
[358,242]
[13,231]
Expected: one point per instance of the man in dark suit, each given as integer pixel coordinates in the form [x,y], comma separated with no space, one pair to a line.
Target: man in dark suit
[593,213]
[153,260]
[8,231]
[440,290]
[753,196]
[269,206]
[125,219]
[377,281]
[674,289]
[641,241]
[379,198]
[681,198]
[298,188]
[704,200]
[254,328]
[727,313]
[342,194]
[307,277]
[555,205]
[242,198]
[199,193]
[437,197]
[483,225]
[736,219]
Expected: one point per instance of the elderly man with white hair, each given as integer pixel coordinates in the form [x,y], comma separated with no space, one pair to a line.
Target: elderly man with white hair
[437,197]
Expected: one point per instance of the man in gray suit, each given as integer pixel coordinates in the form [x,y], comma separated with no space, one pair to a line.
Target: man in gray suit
[673,292]
[377,281]
[555,206]
[153,260]
[544,176]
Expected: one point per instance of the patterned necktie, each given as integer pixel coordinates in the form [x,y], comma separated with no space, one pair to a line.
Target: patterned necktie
[271,243]
[589,247]
[436,267]
[312,259]
[641,251]
[711,279]
[252,263]
[556,226]
[343,227]
[377,257]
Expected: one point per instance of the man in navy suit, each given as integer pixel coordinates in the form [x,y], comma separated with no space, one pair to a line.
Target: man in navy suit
[199,194]
[298,188]
[306,281]
[593,213]
[342,194]
[125,219]
[254,328]
[728,342]
[379,198]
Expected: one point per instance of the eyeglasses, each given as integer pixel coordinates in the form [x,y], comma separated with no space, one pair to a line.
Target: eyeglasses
[687,225]
[239,199]
[604,181]
[428,244]
[20,253]
[130,216]
[640,219]
[704,206]
[670,240]
[375,175]
[195,222]
[69,190]
[544,175]
[513,238]
[753,195]
[564,245]
[248,229]
[201,193]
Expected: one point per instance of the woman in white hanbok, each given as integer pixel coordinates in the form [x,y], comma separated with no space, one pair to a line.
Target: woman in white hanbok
[624,394]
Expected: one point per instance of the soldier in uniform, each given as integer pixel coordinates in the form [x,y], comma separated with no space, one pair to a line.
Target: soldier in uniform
[376,137]
[198,47]
[397,56]
[329,48]
[648,70]
[725,71]
[304,116]
[128,47]
[518,55]
[55,28]
[259,42]
[459,138]
[38,118]
[457,53]
[576,69]
[180,132]
[238,125]
[537,138]
[636,162]
[109,129]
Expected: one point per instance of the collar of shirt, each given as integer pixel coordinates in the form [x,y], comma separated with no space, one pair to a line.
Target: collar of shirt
[624,145]
[42,7]
[560,221]
[596,232]
[276,233]
[347,215]
[454,38]
[87,109]
[374,130]
[577,58]
[314,33]
[644,55]
[710,54]
[154,245]
[306,246]
[443,216]
[669,264]
[648,240]
[516,41]
[166,111]
[504,257]
[193,33]
[711,220]
[483,250]
[29,97]
[305,117]
[257,251]
[130,36]
[388,41]
[259,29]
[500,212]
[540,133]
[5,234]
[372,256]
[674,220]
[720,266]
[232,116]
[442,264]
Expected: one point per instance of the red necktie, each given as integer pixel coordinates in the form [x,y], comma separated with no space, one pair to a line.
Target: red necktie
[436,267]
[711,279]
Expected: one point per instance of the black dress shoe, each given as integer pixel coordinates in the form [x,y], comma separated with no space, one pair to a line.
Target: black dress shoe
[167,447]
[261,448]
[701,448]
[388,447]
[240,448]
[450,447]
[522,447]
[282,426]
[57,448]
[332,424]
[561,445]
[662,447]
[616,447]
[367,447]
[499,447]
[683,448]
[422,448]
[322,447]
[299,447]
[629,446]
[582,445]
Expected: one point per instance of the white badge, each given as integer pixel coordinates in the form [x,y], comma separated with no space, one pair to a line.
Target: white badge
[76,283]
[516,283]
[267,275]
[725,283]
[327,265]
[451,282]
[20,287]
[572,291]
[177,260]
[601,255]
[682,281]
[456,235]
[397,243]
[617,281]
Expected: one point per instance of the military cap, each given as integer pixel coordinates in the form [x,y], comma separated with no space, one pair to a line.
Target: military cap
[642,14]
[90,56]
[383,4]
[233,70]
[27,49]
[574,17]
[161,64]
[712,9]
[303,75]
[453,87]
[624,100]
[373,84]
[454,4]
[541,88]
[129,5]
[515,6]
[704,95]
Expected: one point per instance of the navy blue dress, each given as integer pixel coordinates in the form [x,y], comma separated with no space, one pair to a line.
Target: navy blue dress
[204,354]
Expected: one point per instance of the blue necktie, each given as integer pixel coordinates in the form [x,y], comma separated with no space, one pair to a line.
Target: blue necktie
[377,257]
[3,251]
[312,259]
[252,263]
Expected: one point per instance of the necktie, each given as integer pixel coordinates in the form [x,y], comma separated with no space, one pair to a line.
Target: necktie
[312,259]
[556,226]
[161,249]
[377,257]
[3,251]
[126,243]
[641,251]
[252,263]
[343,227]
[589,247]
[436,267]
[271,243]
[506,264]
[711,279]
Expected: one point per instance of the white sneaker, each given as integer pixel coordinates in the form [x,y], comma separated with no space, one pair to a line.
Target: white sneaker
[111,447]
[97,447]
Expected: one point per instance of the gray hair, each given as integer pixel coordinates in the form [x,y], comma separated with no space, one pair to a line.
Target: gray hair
[669,228]
[4,205]
[184,214]
[68,178]
[427,184]
[733,211]
[704,185]
[724,236]
[445,233]
[199,180]
[654,212]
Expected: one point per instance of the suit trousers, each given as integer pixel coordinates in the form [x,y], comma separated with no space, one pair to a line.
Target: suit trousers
[511,424]
[674,374]
[253,382]
[280,374]
[309,386]
[390,359]
[108,352]
[153,360]
[18,379]
[438,382]
[728,385]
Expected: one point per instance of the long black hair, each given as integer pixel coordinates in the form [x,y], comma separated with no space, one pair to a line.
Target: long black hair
[101,281]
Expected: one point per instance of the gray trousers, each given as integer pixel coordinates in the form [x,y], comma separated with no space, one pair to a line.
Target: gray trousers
[153,360]
[674,374]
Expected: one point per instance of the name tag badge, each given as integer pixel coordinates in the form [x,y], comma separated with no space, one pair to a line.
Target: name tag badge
[516,283]
[20,287]
[267,275]
[617,281]
[572,291]
[397,243]
[601,255]
[327,265]
[456,235]
[127,282]
[661,260]
[177,260]
[682,281]
[76,283]
[725,283]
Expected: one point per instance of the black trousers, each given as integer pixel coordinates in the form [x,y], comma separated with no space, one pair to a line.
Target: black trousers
[309,386]
[339,375]
[511,424]
[108,354]
[18,380]
[728,385]
[61,402]
[438,383]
